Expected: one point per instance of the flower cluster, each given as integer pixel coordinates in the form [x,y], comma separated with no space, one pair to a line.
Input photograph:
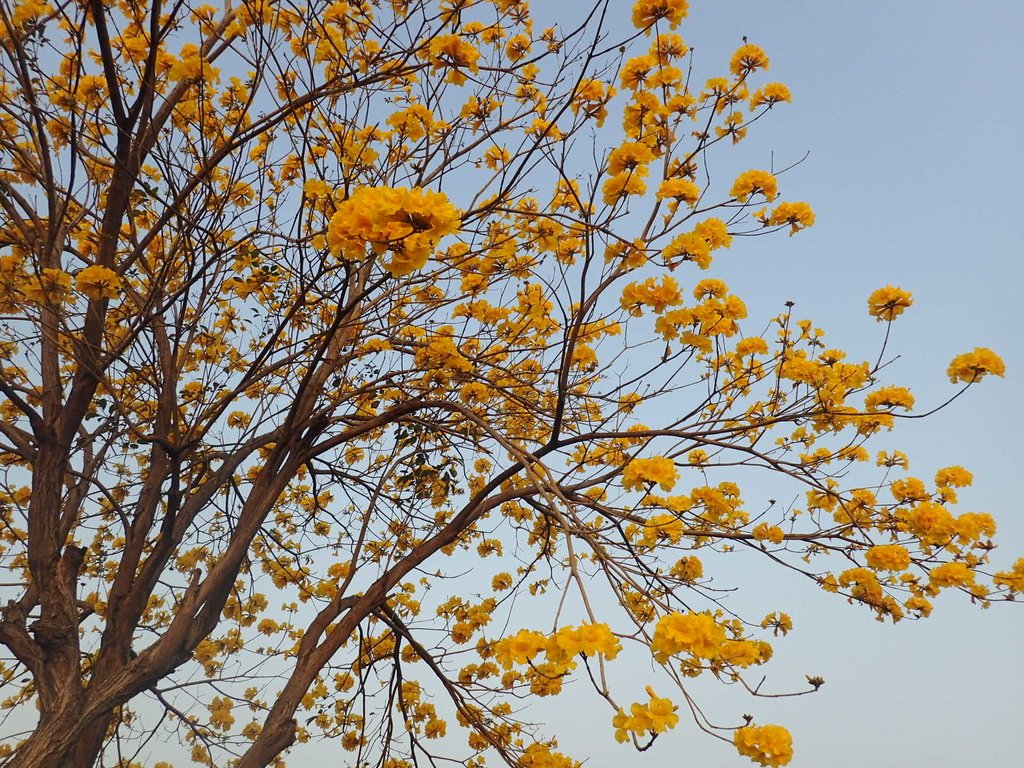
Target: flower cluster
[888,302]
[888,557]
[648,12]
[695,633]
[657,469]
[973,366]
[769,745]
[754,182]
[98,282]
[408,223]
[655,716]
[559,648]
[797,215]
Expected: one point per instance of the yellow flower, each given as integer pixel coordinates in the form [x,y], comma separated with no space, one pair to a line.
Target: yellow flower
[733,126]
[766,532]
[745,653]
[888,557]
[517,47]
[711,288]
[679,189]
[50,286]
[454,53]
[950,575]
[770,94]
[662,713]
[408,223]
[781,623]
[192,66]
[956,476]
[622,185]
[888,302]
[501,582]
[650,293]
[753,345]
[746,59]
[496,158]
[316,188]
[889,397]
[689,246]
[630,155]
[908,489]
[754,182]
[688,568]
[98,282]
[220,713]
[656,716]
[588,639]
[769,745]
[637,71]
[715,232]
[592,96]
[971,526]
[894,459]
[412,123]
[1013,579]
[973,366]
[930,522]
[658,469]
[519,648]
[797,215]
[29,10]
[694,633]
[648,12]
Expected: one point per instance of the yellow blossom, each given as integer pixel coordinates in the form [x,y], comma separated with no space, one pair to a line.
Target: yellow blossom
[770,94]
[747,59]
[408,223]
[1013,579]
[628,156]
[98,282]
[797,215]
[754,182]
[622,185]
[767,532]
[888,302]
[769,745]
[680,190]
[973,366]
[953,574]
[695,633]
[648,12]
[889,397]
[220,713]
[956,476]
[658,469]
[888,557]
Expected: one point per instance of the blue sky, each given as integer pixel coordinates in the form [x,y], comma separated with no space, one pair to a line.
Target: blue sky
[910,112]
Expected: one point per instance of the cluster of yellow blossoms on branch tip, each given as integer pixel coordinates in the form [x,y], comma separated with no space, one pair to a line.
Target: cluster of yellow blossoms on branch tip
[769,745]
[406,223]
[653,717]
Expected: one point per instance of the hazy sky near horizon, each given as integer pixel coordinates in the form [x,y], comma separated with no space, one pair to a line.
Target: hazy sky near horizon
[910,112]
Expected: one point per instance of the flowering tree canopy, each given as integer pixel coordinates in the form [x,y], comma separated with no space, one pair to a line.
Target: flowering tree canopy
[365,372]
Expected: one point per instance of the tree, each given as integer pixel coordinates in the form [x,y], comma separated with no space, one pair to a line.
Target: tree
[337,304]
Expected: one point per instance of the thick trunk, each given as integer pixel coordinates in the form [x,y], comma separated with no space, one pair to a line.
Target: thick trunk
[50,746]
[87,748]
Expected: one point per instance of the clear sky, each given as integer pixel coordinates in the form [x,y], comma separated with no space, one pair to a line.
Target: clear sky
[911,113]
